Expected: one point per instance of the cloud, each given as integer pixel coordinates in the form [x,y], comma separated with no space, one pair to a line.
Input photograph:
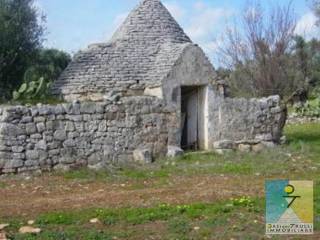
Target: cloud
[202,23]
[306,26]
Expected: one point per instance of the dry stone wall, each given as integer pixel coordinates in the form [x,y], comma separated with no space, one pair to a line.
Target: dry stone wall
[90,134]
[245,124]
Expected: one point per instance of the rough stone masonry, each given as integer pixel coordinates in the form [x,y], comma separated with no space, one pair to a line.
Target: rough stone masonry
[92,134]
[83,134]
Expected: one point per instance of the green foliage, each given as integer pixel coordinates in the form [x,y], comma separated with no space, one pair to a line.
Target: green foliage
[179,226]
[311,108]
[49,64]
[34,90]
[300,70]
[245,201]
[20,37]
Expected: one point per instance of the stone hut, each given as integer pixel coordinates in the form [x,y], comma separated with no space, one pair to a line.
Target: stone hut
[148,55]
[146,93]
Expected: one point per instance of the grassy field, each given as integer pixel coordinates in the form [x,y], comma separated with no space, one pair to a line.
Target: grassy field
[197,196]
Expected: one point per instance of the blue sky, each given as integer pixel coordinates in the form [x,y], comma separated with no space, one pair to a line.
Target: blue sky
[73,25]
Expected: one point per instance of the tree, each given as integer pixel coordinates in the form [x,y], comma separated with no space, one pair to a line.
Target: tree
[20,37]
[258,51]
[49,64]
[47,67]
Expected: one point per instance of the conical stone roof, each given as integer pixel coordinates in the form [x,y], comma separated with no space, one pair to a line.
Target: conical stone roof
[151,21]
[141,53]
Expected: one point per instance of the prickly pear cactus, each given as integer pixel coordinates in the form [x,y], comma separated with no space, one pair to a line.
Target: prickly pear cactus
[32,90]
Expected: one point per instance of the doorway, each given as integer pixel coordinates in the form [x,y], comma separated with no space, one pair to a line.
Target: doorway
[193,118]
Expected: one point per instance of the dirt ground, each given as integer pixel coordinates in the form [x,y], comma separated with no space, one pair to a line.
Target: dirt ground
[19,197]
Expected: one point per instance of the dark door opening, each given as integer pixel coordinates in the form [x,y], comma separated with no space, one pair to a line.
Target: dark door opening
[192,112]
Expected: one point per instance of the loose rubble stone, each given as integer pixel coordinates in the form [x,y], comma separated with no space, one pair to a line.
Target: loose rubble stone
[244,147]
[258,147]
[174,151]
[30,222]
[4,225]
[224,144]
[142,155]
[28,229]
[223,151]
[3,236]
[94,220]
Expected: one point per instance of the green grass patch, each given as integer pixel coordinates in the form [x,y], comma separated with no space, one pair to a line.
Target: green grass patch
[179,220]
[3,185]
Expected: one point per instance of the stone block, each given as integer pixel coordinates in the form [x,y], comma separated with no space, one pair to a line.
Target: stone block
[244,148]
[258,148]
[41,127]
[224,144]
[17,149]
[31,128]
[31,163]
[69,143]
[143,155]
[13,164]
[224,151]
[264,137]
[174,151]
[12,130]
[32,154]
[39,119]
[60,135]
[41,145]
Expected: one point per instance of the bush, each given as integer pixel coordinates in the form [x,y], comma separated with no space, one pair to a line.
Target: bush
[311,108]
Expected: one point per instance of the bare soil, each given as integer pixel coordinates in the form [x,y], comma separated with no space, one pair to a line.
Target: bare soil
[37,195]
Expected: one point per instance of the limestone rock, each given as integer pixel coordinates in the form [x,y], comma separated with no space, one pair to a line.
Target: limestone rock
[94,220]
[62,168]
[244,148]
[29,229]
[3,236]
[31,128]
[268,144]
[283,140]
[10,130]
[42,145]
[4,225]
[224,144]
[224,151]
[258,148]
[264,137]
[143,155]
[13,164]
[97,167]
[60,135]
[30,222]
[174,151]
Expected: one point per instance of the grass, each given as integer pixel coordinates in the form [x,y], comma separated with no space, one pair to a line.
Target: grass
[2,185]
[178,220]
[238,218]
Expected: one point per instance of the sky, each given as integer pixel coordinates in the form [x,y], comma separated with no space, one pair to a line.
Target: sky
[74,24]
